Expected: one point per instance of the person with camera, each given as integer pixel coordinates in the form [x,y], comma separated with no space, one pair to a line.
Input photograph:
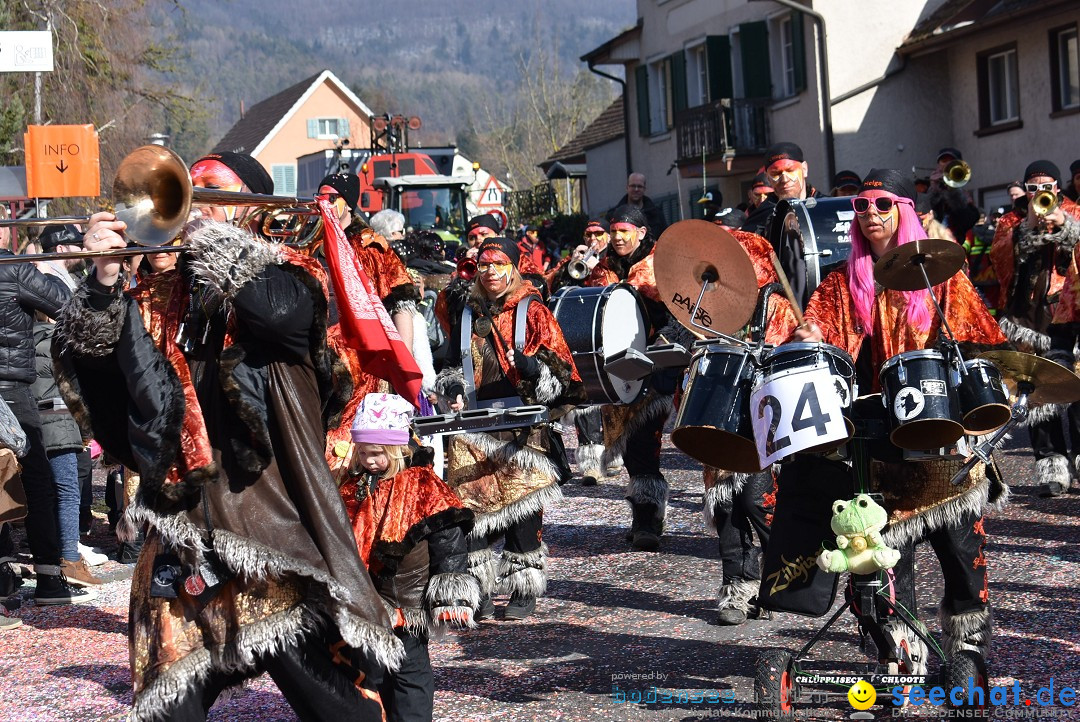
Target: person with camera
[27,290]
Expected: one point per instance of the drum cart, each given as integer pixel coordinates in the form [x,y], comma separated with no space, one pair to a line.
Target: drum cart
[782,678]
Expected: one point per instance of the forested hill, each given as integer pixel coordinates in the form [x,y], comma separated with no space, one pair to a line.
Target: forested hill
[444,60]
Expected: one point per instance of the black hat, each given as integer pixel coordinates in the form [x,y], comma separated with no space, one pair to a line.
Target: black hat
[954,152]
[251,171]
[1015,184]
[505,245]
[532,227]
[346,184]
[846,178]
[631,215]
[894,181]
[923,204]
[1074,168]
[730,217]
[761,180]
[482,221]
[783,151]
[597,223]
[1042,167]
[53,236]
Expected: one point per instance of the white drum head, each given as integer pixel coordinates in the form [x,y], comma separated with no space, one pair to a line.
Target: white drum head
[621,328]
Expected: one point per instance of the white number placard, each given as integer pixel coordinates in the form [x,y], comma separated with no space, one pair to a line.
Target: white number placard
[794,412]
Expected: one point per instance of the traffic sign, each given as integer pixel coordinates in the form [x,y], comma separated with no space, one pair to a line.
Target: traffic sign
[492,195]
[26,51]
[62,161]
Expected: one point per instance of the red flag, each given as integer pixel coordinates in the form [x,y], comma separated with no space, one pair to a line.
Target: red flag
[365,324]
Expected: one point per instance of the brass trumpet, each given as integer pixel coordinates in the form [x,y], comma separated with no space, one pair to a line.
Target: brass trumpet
[956,174]
[579,269]
[153,195]
[1043,203]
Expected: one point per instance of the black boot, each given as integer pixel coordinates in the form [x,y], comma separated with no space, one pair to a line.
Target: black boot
[520,606]
[646,528]
[486,610]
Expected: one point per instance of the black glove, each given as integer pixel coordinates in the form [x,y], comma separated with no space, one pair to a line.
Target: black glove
[527,366]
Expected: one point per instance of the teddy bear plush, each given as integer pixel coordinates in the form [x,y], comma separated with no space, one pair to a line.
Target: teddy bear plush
[857,525]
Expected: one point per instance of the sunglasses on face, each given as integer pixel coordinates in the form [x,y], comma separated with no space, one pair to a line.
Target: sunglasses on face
[1036,187]
[593,234]
[883,204]
[499,267]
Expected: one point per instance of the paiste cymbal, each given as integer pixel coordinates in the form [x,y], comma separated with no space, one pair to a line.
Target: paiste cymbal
[690,250]
[899,270]
[1054,384]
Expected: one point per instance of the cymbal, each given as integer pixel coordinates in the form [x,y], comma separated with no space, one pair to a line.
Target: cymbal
[1054,384]
[899,270]
[689,252]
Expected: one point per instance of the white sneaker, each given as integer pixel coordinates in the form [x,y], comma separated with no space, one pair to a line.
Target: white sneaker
[91,557]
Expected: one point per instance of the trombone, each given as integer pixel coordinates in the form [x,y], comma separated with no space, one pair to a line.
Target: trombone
[153,195]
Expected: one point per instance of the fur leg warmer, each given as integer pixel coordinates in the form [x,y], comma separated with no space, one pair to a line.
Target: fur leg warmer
[524,573]
[648,489]
[454,595]
[968,630]
[588,460]
[737,594]
[1053,473]
[482,566]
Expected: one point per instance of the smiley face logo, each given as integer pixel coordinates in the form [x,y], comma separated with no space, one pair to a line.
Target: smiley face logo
[862,695]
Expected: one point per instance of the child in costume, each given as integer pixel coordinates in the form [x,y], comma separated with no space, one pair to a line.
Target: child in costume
[410,530]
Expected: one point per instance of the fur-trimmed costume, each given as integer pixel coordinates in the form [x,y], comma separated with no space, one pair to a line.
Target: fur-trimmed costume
[506,477]
[1040,290]
[410,531]
[227,430]
[922,504]
[634,432]
[391,282]
[738,506]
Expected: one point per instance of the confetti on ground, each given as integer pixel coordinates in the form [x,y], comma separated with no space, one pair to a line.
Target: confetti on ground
[610,614]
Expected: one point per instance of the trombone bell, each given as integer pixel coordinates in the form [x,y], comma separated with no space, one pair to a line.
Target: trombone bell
[956,174]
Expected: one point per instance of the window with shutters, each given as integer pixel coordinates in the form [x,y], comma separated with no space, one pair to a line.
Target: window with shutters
[659,96]
[697,76]
[284,175]
[1064,68]
[790,55]
[328,128]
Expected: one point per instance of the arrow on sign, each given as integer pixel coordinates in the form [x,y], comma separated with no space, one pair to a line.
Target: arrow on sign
[61,167]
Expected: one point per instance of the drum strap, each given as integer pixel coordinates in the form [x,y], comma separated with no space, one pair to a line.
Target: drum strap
[521,316]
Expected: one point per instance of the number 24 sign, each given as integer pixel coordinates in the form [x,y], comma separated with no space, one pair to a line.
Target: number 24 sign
[795,412]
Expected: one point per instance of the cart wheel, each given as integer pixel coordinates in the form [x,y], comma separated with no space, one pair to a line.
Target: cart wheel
[967,665]
[774,683]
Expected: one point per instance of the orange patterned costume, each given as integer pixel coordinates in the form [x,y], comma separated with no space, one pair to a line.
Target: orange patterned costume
[227,435]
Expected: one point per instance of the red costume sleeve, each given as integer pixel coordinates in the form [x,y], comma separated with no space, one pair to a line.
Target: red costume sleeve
[1001,254]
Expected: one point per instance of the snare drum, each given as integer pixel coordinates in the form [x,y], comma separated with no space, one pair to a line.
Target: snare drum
[923,408]
[984,402]
[598,322]
[832,373]
[713,424]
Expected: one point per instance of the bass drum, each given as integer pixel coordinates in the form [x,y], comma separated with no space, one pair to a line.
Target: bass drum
[597,323]
[810,238]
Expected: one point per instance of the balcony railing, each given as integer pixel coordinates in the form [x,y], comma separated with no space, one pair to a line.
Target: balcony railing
[725,126]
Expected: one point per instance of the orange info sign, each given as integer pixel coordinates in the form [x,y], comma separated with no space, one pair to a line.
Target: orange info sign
[62,161]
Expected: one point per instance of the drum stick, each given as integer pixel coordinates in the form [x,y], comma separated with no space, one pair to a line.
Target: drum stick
[787,290]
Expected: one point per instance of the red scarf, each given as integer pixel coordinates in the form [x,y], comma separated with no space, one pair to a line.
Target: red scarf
[365,324]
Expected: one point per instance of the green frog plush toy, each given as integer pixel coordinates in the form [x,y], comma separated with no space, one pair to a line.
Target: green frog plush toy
[858,524]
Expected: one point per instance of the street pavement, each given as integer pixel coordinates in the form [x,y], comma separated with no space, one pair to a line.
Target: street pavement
[616,626]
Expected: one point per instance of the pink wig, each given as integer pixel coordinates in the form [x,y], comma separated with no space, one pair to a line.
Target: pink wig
[860,272]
